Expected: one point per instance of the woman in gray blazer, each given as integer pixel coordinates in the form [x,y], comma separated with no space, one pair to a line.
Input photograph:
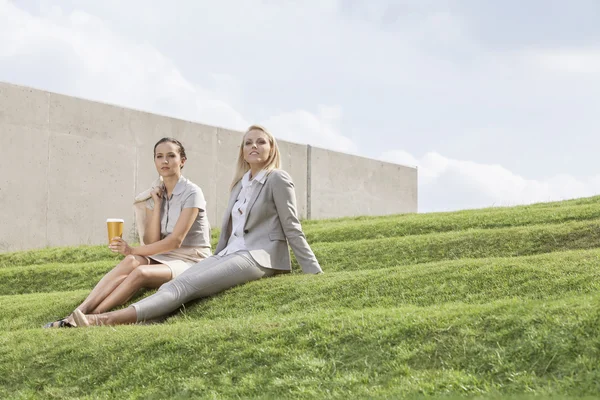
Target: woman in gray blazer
[260,221]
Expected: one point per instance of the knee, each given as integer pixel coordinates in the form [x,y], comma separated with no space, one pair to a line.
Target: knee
[140,275]
[173,291]
[129,263]
[132,261]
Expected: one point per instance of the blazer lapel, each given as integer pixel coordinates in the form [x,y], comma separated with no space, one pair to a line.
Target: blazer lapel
[235,192]
[234,195]
[257,188]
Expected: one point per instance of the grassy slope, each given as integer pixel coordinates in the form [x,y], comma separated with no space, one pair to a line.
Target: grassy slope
[486,302]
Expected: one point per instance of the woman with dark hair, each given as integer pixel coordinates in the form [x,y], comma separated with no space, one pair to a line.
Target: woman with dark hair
[176,236]
[260,221]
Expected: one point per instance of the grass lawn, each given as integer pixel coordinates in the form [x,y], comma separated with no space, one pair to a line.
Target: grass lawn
[493,303]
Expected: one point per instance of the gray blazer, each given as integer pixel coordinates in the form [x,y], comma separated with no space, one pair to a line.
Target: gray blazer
[271,218]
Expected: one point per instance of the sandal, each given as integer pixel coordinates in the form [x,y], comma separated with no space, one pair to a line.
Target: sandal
[59,323]
[80,318]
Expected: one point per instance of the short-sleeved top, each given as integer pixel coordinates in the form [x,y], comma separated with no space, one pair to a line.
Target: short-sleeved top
[186,194]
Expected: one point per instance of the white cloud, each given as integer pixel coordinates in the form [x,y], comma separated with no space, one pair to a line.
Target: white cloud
[400,157]
[448,184]
[575,61]
[79,54]
[321,130]
[408,74]
[103,66]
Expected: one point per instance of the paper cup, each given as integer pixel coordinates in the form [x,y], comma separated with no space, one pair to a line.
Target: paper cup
[115,228]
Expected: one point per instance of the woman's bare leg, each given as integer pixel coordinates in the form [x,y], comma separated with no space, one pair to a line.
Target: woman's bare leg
[145,276]
[109,282]
[120,317]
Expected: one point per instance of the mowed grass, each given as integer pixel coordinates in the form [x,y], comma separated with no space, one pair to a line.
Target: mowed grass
[491,303]
[418,224]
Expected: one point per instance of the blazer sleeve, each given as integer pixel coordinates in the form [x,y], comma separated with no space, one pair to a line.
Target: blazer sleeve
[285,202]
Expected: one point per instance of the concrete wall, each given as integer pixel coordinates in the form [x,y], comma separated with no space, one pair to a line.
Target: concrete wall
[346,185]
[71,163]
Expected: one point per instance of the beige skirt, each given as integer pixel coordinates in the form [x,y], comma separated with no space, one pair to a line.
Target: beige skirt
[180,259]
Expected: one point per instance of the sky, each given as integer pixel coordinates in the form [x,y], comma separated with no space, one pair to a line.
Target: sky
[495,102]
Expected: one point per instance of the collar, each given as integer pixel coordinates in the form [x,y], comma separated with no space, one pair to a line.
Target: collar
[260,177]
[180,185]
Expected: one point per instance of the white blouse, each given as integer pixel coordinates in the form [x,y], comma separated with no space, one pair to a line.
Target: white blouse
[238,212]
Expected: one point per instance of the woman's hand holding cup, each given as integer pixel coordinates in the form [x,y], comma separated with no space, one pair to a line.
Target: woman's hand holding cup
[118,245]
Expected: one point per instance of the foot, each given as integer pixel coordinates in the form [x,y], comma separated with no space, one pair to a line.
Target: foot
[80,318]
[61,323]
[69,319]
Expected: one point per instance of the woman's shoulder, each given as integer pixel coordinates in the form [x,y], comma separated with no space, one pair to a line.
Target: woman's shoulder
[191,187]
[279,176]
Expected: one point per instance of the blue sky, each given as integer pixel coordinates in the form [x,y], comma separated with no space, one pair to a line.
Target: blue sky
[496,102]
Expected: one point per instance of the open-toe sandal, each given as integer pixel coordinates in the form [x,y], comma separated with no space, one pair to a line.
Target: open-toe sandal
[59,323]
[80,318]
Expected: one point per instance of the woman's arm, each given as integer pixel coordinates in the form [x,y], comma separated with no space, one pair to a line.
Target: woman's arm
[152,228]
[173,241]
[152,231]
[285,202]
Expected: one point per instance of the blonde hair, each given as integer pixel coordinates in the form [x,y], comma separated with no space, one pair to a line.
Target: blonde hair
[273,161]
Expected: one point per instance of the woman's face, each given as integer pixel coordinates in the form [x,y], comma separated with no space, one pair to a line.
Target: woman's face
[256,148]
[167,159]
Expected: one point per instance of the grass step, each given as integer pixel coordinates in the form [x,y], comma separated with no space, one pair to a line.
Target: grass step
[490,303]
[63,255]
[548,206]
[31,311]
[547,276]
[346,256]
[475,243]
[509,346]
[53,277]
[343,229]
[68,255]
[419,224]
